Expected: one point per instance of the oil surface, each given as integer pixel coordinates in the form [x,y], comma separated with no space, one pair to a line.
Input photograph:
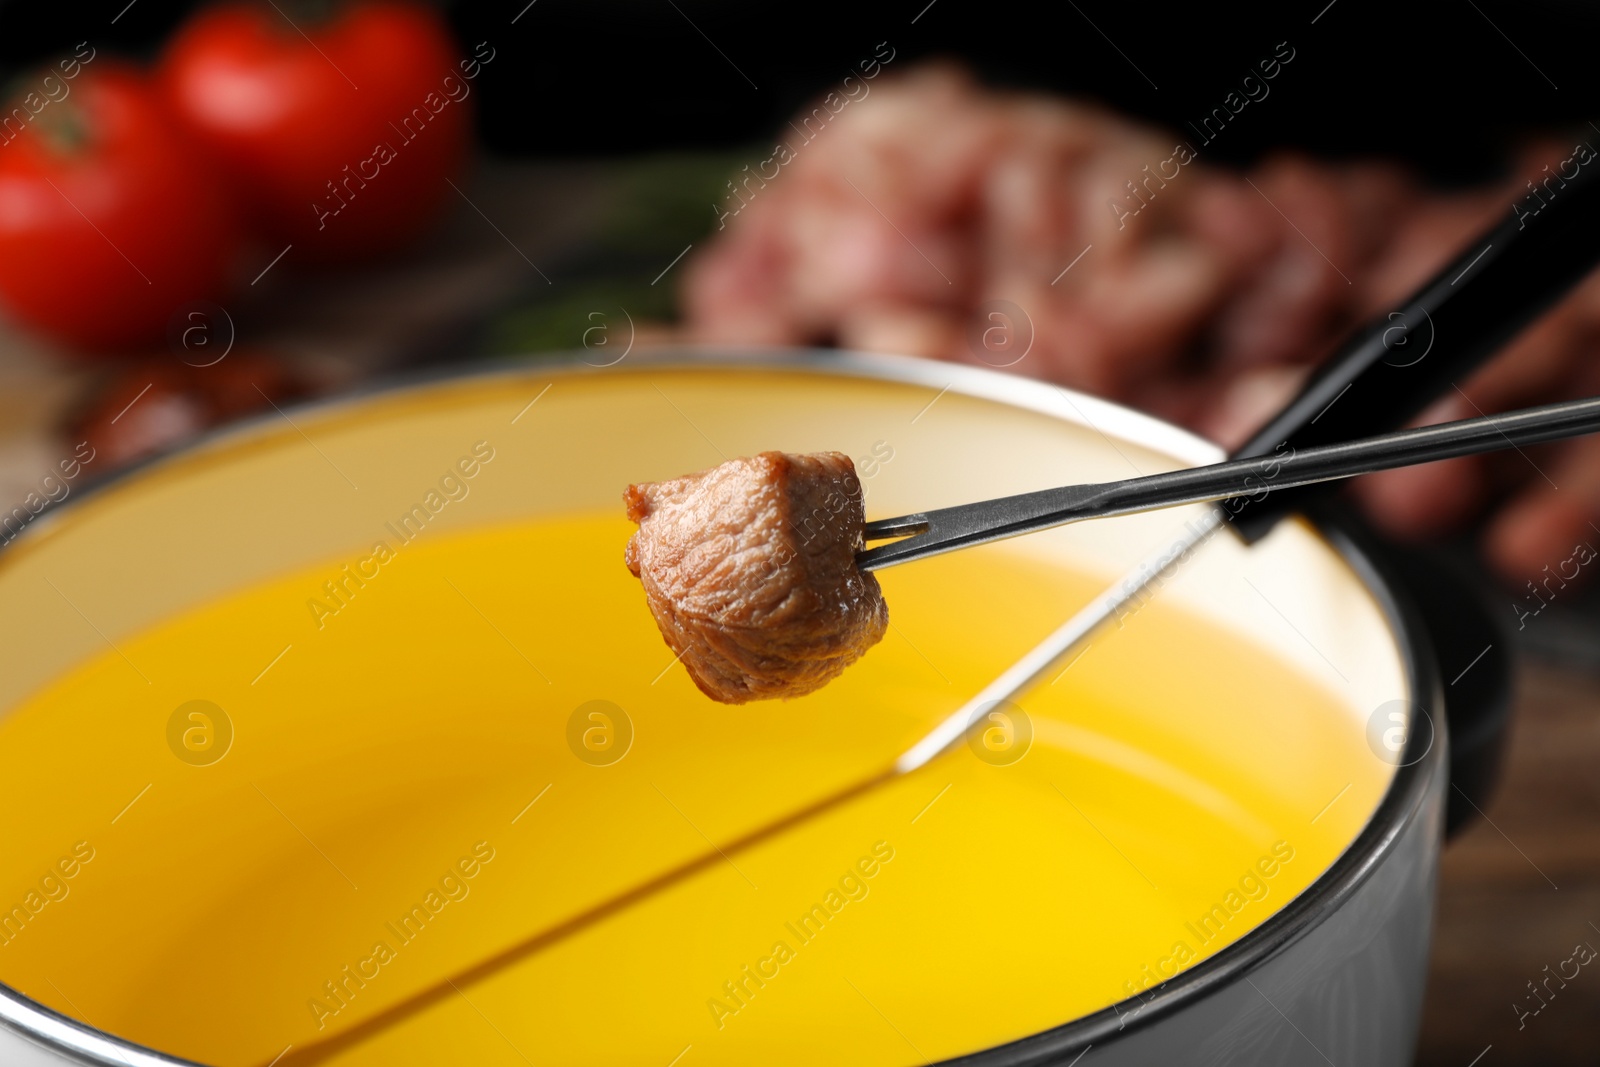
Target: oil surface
[422,782]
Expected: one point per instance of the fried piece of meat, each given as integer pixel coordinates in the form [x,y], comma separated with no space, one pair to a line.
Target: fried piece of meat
[750,571]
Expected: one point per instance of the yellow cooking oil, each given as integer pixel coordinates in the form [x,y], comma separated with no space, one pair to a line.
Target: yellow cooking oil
[460,805]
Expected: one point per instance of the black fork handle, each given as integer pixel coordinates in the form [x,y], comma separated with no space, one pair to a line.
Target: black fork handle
[1398,364]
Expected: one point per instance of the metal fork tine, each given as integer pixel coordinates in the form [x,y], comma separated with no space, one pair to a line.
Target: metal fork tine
[901,526]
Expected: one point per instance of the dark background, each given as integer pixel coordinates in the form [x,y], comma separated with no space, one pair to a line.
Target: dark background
[1439,85]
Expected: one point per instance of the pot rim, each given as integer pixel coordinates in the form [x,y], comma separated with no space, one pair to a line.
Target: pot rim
[1398,809]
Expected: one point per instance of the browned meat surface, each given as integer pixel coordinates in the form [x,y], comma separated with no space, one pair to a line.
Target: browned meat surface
[749,569]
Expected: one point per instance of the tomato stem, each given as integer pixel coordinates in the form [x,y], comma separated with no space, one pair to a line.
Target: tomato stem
[60,122]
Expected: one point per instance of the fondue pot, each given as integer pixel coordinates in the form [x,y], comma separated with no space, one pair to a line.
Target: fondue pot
[1336,974]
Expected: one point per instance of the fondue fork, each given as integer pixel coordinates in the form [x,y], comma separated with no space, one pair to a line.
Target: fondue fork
[932,533]
[1379,379]
[1235,481]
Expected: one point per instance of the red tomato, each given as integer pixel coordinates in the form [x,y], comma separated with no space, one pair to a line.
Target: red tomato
[343,138]
[109,222]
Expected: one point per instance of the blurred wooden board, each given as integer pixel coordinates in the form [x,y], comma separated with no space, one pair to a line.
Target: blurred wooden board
[1520,890]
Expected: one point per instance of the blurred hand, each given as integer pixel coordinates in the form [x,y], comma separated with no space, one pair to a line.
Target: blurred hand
[1056,240]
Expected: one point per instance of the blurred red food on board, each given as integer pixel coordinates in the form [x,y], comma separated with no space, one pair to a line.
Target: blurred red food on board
[341,140]
[108,222]
[148,406]
[1120,252]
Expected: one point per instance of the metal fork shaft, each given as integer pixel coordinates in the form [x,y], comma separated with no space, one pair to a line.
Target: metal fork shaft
[948,529]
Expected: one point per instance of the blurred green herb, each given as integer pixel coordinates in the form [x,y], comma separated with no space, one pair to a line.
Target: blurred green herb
[658,205]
